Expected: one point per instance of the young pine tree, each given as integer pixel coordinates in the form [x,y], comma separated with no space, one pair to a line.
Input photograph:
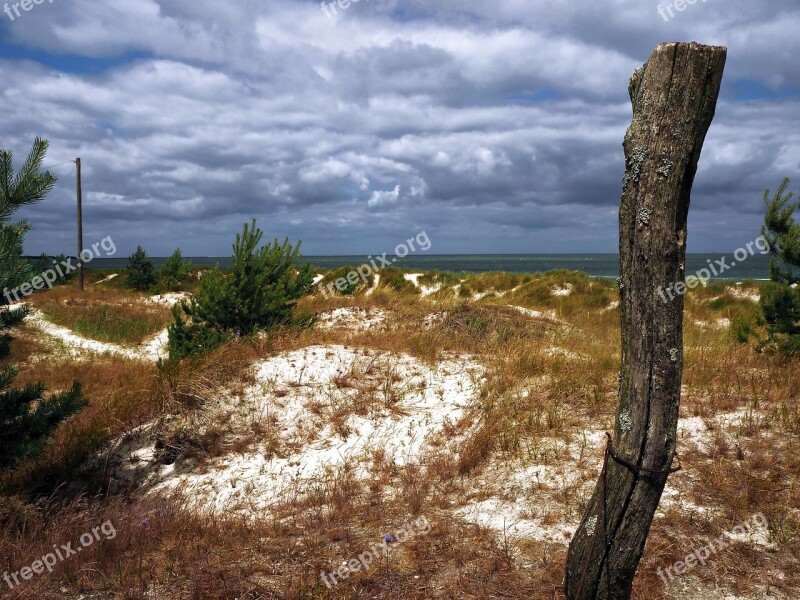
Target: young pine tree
[781,299]
[141,274]
[173,272]
[260,293]
[45,262]
[27,416]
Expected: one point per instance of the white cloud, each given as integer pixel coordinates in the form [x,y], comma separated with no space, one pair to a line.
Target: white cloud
[382,198]
[192,116]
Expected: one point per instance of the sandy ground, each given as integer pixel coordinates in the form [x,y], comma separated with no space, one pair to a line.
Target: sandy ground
[352,319]
[536,314]
[168,299]
[79,347]
[109,278]
[376,282]
[318,410]
[562,291]
[744,294]
[424,290]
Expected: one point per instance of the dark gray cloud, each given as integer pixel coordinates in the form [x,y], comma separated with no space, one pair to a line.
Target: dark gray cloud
[495,126]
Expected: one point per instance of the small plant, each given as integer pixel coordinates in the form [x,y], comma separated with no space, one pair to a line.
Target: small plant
[45,262]
[140,272]
[172,273]
[347,288]
[781,299]
[259,293]
[395,279]
[41,264]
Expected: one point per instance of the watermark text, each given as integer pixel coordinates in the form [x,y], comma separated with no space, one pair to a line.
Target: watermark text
[13,9]
[715,268]
[60,269]
[420,526]
[363,273]
[667,11]
[701,555]
[59,554]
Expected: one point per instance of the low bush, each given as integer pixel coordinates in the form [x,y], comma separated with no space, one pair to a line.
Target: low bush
[259,293]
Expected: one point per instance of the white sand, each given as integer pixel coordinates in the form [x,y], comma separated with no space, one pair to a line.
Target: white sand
[536,314]
[699,432]
[374,287]
[563,291]
[156,347]
[718,324]
[423,289]
[520,499]
[430,290]
[434,319]
[168,299]
[511,291]
[352,318]
[524,500]
[744,294]
[477,296]
[308,400]
[109,278]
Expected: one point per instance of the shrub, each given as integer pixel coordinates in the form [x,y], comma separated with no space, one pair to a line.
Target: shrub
[781,299]
[259,293]
[140,272]
[45,263]
[173,272]
[193,338]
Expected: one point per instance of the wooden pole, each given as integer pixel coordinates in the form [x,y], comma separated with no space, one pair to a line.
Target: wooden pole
[80,224]
[674,97]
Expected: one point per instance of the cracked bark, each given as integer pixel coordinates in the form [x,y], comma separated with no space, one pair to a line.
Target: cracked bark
[674,96]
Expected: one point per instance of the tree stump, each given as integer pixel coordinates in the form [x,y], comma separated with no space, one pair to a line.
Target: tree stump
[674,96]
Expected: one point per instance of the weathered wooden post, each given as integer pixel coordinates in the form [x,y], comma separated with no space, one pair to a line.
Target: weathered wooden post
[674,96]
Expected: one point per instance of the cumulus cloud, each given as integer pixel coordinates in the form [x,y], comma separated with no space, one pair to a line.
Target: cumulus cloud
[494,126]
[381,198]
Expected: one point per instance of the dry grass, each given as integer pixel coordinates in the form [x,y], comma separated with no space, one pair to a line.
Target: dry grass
[550,387]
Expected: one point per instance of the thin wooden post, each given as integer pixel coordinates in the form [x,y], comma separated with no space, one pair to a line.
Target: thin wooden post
[80,223]
[674,97]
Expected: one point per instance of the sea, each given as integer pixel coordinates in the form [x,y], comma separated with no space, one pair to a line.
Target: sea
[753,267]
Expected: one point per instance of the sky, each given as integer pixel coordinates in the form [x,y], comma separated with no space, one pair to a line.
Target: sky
[493,126]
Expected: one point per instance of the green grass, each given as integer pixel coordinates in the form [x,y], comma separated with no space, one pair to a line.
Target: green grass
[586,293]
[395,279]
[108,323]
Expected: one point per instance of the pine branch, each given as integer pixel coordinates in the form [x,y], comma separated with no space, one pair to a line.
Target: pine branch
[30,185]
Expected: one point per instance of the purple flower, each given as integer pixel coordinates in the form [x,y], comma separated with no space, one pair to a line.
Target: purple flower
[144,522]
[389,539]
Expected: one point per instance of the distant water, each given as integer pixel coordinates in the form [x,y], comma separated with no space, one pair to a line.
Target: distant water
[595,265]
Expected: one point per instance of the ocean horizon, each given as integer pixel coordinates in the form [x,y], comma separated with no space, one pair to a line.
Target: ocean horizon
[755,267]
